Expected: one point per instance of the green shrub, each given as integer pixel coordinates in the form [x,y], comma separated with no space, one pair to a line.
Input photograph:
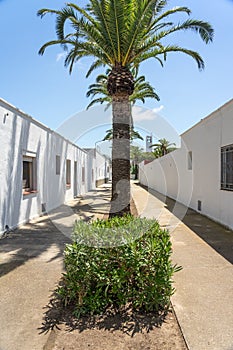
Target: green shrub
[117,262]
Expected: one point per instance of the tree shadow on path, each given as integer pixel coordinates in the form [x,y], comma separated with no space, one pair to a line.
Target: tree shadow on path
[123,319]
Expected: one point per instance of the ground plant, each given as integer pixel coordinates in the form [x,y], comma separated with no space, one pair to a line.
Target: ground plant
[118,262]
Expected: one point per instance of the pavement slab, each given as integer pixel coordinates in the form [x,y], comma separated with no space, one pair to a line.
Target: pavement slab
[203,301]
[31,265]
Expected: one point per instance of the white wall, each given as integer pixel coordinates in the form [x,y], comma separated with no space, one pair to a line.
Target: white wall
[98,165]
[170,175]
[101,168]
[19,133]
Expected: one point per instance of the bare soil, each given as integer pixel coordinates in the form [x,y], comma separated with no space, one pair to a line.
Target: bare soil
[112,331]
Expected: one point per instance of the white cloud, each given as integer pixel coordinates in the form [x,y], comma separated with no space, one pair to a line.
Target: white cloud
[60,56]
[141,114]
[158,109]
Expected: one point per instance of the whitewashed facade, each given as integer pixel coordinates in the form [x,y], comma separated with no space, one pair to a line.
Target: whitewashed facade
[200,173]
[39,169]
[99,166]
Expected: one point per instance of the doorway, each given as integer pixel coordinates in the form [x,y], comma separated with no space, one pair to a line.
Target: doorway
[75,180]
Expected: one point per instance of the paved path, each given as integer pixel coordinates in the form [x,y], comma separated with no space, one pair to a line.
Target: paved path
[203,302]
[31,266]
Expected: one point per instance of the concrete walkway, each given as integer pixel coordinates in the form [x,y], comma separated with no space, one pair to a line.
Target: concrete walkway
[203,301]
[31,266]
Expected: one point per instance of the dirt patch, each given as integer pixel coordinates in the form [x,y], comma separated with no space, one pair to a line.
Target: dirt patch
[114,330]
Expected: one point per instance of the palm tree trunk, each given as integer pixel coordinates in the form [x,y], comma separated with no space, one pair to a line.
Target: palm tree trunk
[121,114]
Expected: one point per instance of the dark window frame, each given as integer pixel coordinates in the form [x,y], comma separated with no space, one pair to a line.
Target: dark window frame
[68,173]
[83,175]
[58,164]
[190,160]
[227,168]
[29,184]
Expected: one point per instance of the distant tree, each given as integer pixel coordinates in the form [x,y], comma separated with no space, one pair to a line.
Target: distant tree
[163,147]
[135,156]
[157,152]
[148,156]
[136,153]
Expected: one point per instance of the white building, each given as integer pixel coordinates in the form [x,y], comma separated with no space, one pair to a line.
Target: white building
[39,169]
[100,167]
[200,173]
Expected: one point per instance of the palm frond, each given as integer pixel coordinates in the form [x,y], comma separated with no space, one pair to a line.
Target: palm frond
[172,48]
[95,101]
[49,43]
[42,12]
[64,15]
[96,64]
[122,32]
[138,28]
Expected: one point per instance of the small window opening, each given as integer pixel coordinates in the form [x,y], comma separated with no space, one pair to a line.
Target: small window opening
[190,160]
[58,165]
[68,173]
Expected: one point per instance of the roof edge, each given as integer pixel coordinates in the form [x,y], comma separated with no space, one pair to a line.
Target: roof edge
[208,116]
[35,121]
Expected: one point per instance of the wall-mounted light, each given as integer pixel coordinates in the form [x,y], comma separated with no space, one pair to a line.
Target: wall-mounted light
[4,117]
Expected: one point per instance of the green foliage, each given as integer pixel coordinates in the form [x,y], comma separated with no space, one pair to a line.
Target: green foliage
[117,262]
[133,134]
[142,90]
[163,147]
[137,155]
[133,169]
[122,33]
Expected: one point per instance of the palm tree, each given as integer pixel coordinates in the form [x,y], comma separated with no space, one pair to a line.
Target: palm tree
[157,152]
[135,155]
[142,90]
[133,135]
[121,35]
[163,147]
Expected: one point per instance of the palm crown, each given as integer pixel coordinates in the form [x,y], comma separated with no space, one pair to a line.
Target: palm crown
[121,33]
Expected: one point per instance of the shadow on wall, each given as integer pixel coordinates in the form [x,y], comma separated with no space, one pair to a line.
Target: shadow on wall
[12,189]
[53,191]
[214,234]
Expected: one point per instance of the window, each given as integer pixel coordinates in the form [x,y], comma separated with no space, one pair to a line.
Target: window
[29,174]
[68,173]
[92,174]
[83,174]
[227,168]
[190,160]
[58,165]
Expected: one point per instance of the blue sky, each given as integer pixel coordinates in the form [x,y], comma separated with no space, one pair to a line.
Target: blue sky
[43,88]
